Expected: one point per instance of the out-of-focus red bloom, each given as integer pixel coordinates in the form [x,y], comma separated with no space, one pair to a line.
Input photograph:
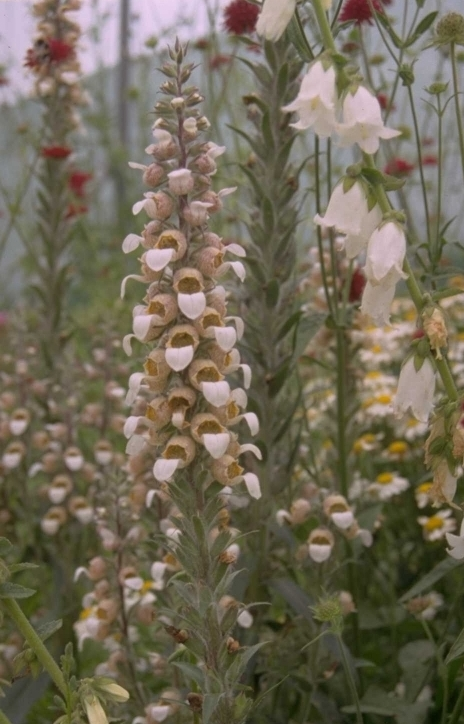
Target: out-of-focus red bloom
[58,51]
[399,167]
[240,17]
[360,10]
[76,210]
[3,80]
[56,151]
[77,181]
[383,100]
[358,282]
[418,334]
[201,44]
[429,160]
[218,60]
[350,47]
[428,141]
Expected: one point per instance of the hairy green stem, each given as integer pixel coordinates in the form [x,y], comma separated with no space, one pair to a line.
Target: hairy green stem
[350,680]
[421,168]
[324,25]
[457,105]
[442,670]
[458,710]
[4,719]
[35,642]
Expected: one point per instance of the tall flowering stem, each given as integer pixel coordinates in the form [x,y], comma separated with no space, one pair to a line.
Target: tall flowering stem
[192,405]
[53,61]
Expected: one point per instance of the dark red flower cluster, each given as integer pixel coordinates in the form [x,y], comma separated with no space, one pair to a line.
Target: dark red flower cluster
[59,51]
[360,11]
[429,160]
[218,60]
[56,152]
[3,80]
[44,52]
[240,17]
[358,282]
[399,167]
[77,181]
[383,101]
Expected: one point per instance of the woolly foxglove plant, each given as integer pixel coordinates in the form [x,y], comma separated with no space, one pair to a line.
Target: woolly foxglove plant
[193,405]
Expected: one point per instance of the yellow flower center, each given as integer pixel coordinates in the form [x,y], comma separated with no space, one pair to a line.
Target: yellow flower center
[209,427]
[398,447]
[146,586]
[189,285]
[175,452]
[182,339]
[208,374]
[167,241]
[383,399]
[85,613]
[424,487]
[211,320]
[384,478]
[434,523]
[156,308]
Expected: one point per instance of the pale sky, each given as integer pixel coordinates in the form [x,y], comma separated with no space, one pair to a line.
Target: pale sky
[162,18]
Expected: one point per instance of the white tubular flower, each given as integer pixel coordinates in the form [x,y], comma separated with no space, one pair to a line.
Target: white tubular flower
[416,388]
[456,543]
[315,103]
[354,244]
[376,302]
[346,208]
[274,18]
[320,544]
[362,121]
[94,710]
[386,250]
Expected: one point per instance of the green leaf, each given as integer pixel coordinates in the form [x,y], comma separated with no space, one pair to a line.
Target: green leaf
[16,567]
[210,702]
[279,378]
[457,649]
[272,293]
[282,81]
[5,546]
[383,20]
[436,574]
[298,38]
[45,630]
[14,590]
[191,672]
[421,28]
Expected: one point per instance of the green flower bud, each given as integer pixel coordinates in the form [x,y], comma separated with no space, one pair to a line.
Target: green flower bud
[450,29]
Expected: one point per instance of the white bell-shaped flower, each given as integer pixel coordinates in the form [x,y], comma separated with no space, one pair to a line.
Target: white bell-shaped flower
[274,18]
[362,121]
[376,302]
[315,103]
[346,209]
[386,250]
[416,388]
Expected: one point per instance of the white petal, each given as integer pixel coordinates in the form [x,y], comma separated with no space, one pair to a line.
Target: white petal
[135,445]
[135,382]
[238,268]
[319,553]
[163,469]
[178,358]
[240,397]
[130,425]
[216,445]
[192,305]
[246,369]
[158,570]
[216,393]
[132,241]
[126,344]
[236,249]
[137,207]
[148,501]
[252,421]
[239,324]
[157,259]
[252,483]
[141,325]
[226,337]
[249,447]
[133,164]
[245,619]
[137,277]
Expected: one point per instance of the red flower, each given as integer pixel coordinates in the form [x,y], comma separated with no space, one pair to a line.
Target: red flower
[3,80]
[75,210]
[418,334]
[56,151]
[429,160]
[358,282]
[218,60]
[360,10]
[399,167]
[240,17]
[383,101]
[77,181]
[58,51]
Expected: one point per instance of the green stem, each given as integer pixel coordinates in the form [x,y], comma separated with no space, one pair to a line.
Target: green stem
[350,680]
[421,168]
[341,411]
[324,25]
[458,708]
[456,104]
[36,644]
[442,670]
[4,719]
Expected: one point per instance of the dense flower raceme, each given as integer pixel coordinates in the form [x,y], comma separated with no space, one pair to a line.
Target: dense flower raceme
[193,408]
